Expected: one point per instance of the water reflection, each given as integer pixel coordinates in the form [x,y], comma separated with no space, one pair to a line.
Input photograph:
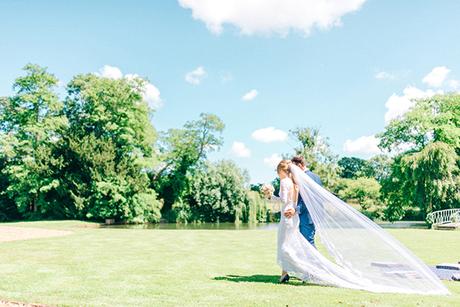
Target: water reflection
[245,226]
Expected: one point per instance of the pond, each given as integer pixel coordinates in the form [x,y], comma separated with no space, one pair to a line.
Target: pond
[245,226]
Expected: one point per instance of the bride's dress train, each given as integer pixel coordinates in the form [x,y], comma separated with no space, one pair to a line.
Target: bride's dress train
[362,255]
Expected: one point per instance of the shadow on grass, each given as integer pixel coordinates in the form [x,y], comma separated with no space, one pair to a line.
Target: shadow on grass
[268,279]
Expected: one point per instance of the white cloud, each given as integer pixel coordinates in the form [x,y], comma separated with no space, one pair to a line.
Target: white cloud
[437,76]
[267,16]
[269,135]
[150,93]
[383,75]
[194,77]
[239,149]
[398,105]
[362,145]
[250,95]
[110,72]
[454,84]
[273,160]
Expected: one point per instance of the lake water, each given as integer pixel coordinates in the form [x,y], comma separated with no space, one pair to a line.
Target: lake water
[244,226]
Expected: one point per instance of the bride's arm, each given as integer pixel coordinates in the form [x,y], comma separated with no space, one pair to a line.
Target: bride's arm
[295,192]
[288,195]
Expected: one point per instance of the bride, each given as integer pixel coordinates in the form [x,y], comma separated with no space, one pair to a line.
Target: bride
[360,254]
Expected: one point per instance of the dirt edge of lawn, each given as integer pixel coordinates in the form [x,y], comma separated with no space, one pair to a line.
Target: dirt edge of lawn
[11,233]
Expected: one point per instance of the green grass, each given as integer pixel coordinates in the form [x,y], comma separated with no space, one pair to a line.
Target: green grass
[137,267]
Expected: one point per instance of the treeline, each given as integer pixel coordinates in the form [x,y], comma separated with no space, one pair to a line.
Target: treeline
[419,174]
[94,154]
[91,152]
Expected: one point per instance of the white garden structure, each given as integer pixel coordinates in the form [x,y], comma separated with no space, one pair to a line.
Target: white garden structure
[445,219]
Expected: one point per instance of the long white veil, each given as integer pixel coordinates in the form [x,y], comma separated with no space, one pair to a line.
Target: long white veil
[361,248]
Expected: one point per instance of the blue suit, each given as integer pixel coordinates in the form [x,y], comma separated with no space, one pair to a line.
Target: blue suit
[306,225]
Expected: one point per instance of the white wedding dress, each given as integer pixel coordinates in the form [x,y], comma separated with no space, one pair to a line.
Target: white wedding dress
[361,255]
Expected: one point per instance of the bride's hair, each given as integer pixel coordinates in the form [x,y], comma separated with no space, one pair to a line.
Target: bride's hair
[284,165]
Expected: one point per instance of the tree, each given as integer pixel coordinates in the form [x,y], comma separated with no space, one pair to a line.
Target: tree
[215,193]
[363,191]
[379,167]
[256,208]
[31,124]
[428,180]
[425,174]
[435,119]
[317,153]
[181,152]
[8,208]
[109,150]
[352,167]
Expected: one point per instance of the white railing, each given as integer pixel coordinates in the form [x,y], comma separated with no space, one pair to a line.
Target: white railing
[444,216]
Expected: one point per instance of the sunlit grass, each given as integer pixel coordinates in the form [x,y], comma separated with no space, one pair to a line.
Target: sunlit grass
[141,267]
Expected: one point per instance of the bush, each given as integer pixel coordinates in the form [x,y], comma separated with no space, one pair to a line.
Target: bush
[363,191]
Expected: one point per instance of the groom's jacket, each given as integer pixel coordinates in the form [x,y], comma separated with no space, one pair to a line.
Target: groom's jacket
[304,215]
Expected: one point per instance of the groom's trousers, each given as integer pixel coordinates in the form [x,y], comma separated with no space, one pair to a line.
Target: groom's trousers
[306,227]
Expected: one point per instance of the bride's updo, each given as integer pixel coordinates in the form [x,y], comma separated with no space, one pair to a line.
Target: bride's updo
[284,166]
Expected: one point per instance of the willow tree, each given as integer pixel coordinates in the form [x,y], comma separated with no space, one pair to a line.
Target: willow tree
[428,180]
[426,175]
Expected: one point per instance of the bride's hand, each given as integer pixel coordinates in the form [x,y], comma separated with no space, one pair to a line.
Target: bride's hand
[267,190]
[289,213]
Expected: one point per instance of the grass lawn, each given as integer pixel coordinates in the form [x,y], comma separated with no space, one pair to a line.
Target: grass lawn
[141,267]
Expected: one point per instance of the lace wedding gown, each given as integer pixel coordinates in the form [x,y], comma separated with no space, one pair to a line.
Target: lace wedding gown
[361,254]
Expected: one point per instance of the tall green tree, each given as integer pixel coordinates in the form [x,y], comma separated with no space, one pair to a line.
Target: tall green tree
[425,174]
[182,151]
[109,149]
[317,153]
[31,125]
[435,119]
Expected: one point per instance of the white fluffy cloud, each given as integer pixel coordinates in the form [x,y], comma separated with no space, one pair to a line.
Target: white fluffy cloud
[267,16]
[239,149]
[250,95]
[362,145]
[437,76]
[398,105]
[150,93]
[383,75]
[273,160]
[195,76]
[269,135]
[110,72]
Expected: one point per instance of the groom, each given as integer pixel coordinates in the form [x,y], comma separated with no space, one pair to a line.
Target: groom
[307,228]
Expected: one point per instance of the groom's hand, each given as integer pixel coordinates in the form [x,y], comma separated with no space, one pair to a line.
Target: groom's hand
[289,213]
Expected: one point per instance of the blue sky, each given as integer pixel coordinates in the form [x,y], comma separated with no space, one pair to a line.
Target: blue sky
[342,69]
